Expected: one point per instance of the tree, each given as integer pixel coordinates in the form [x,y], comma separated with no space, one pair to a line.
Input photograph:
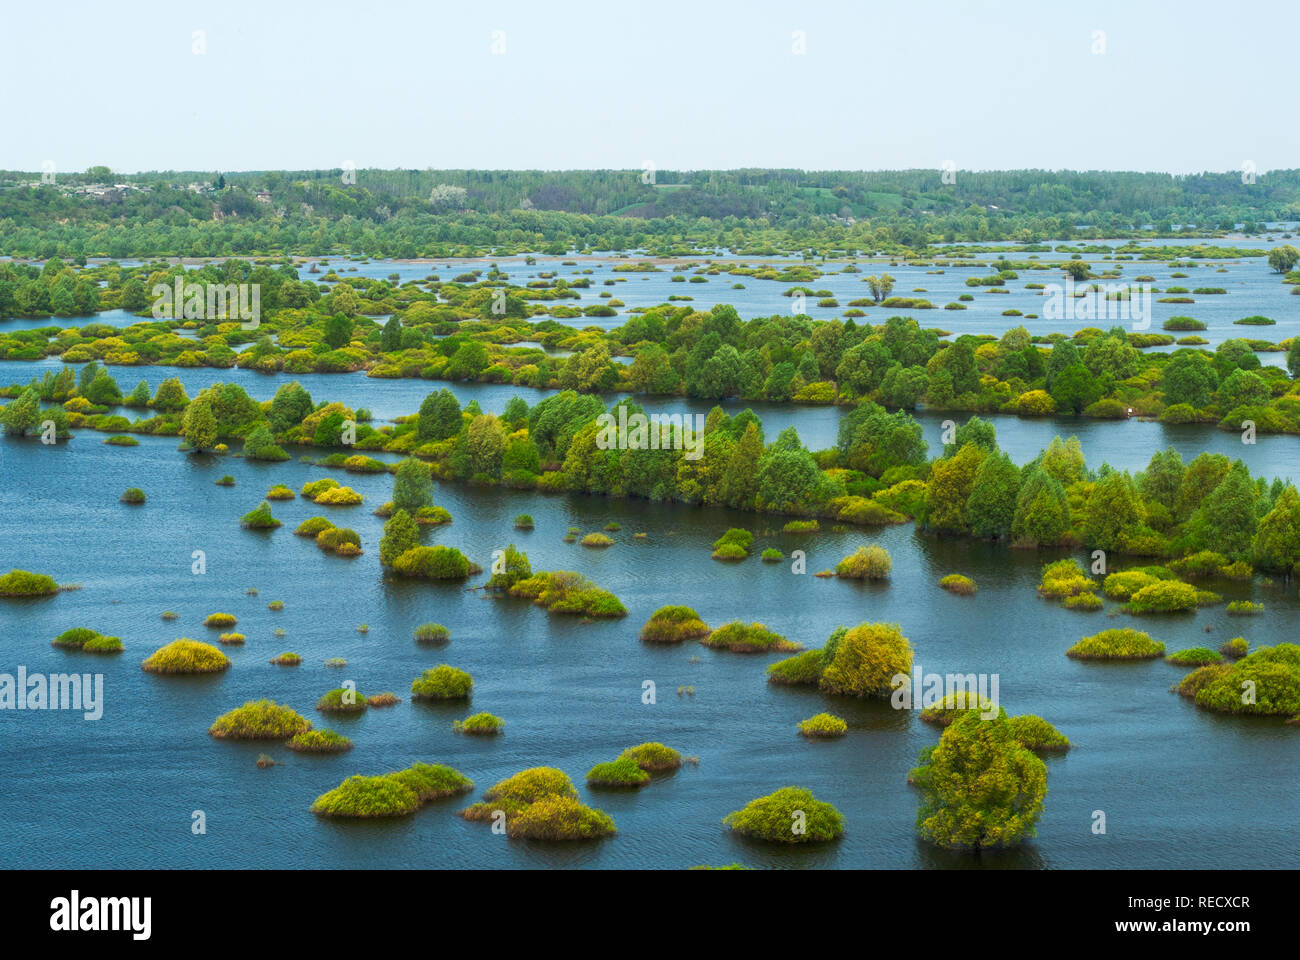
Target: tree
[400,534]
[391,339]
[1114,512]
[412,487]
[1075,389]
[1293,358]
[1065,461]
[171,395]
[1283,258]
[199,425]
[786,480]
[864,366]
[338,331]
[740,478]
[1243,387]
[1277,540]
[979,786]
[991,507]
[289,407]
[951,481]
[1189,378]
[1042,515]
[865,660]
[22,414]
[1063,356]
[1163,478]
[1226,521]
[485,445]
[439,417]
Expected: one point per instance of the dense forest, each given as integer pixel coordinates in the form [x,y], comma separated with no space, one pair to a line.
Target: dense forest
[413,213]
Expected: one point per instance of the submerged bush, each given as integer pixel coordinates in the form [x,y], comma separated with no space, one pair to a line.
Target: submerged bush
[524,521]
[1165,596]
[1082,601]
[865,563]
[259,720]
[559,818]
[956,583]
[365,797]
[863,660]
[824,725]
[564,591]
[287,659]
[1235,648]
[1035,733]
[432,633]
[315,488]
[739,637]
[435,563]
[776,817]
[1244,608]
[954,704]
[1064,578]
[280,492]
[1194,657]
[74,638]
[442,682]
[132,495]
[1271,674]
[802,668]
[23,583]
[338,497]
[772,555]
[515,793]
[385,699]
[235,639]
[319,741]
[1123,644]
[259,518]
[186,656]
[673,624]
[342,700]
[597,540]
[653,757]
[623,772]
[479,723]
[220,620]
[312,527]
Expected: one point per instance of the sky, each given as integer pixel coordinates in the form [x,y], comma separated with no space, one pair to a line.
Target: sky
[1138,85]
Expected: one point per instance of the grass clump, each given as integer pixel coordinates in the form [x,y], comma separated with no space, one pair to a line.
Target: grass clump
[865,563]
[276,605]
[442,682]
[170,615]
[122,440]
[564,591]
[287,659]
[597,540]
[280,492]
[772,555]
[1166,596]
[103,644]
[480,724]
[435,563]
[74,638]
[622,772]
[801,526]
[220,620]
[338,497]
[24,583]
[1264,683]
[342,700]
[802,668]
[385,699]
[524,521]
[653,757]
[1244,608]
[343,541]
[739,637]
[1235,648]
[312,490]
[226,480]
[1062,579]
[367,797]
[1082,601]
[319,741]
[434,633]
[1035,733]
[790,815]
[824,726]
[1122,644]
[957,583]
[1194,657]
[232,639]
[259,518]
[186,656]
[132,495]
[673,624]
[259,720]
[312,527]
[954,704]
[560,818]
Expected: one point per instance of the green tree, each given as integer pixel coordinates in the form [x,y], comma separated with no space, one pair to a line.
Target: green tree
[979,786]
[1277,539]
[1283,258]
[199,425]
[439,417]
[391,339]
[22,414]
[1226,520]
[1075,388]
[951,481]
[1114,512]
[991,507]
[400,534]
[1042,516]
[412,486]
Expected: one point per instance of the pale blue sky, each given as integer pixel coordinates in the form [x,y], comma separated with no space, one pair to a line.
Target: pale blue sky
[1181,87]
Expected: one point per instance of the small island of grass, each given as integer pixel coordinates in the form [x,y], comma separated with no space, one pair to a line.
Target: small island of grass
[23,583]
[286,659]
[622,772]
[1194,657]
[186,656]
[865,563]
[220,620]
[958,584]
[1121,644]
[673,624]
[259,518]
[479,724]
[790,815]
[739,637]
[259,720]
[133,496]
[432,633]
[442,682]
[319,741]
[342,700]
[823,726]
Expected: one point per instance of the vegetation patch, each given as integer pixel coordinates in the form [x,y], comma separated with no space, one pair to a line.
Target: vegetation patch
[823,726]
[259,720]
[673,624]
[790,815]
[740,637]
[186,656]
[442,682]
[958,584]
[319,741]
[1121,644]
[481,724]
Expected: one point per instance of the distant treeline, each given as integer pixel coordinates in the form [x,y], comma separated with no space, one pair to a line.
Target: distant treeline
[411,213]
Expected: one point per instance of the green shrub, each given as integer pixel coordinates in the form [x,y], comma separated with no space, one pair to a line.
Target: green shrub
[736,536]
[617,773]
[1035,733]
[802,668]
[74,638]
[730,551]
[186,656]
[280,492]
[1082,601]
[259,720]
[479,723]
[121,440]
[385,699]
[1194,657]
[673,624]
[442,683]
[132,495]
[220,620]
[435,563]
[740,637]
[22,583]
[958,584]
[1165,596]
[863,661]
[433,781]
[232,639]
[653,757]
[524,521]
[313,526]
[865,563]
[824,725]
[1122,584]
[1272,674]
[259,518]
[564,591]
[800,526]
[790,815]
[432,633]
[1122,644]
[1245,608]
[342,700]
[287,659]
[1235,648]
[366,797]
[319,741]
[597,540]
[954,704]
[559,818]
[1064,578]
[315,488]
